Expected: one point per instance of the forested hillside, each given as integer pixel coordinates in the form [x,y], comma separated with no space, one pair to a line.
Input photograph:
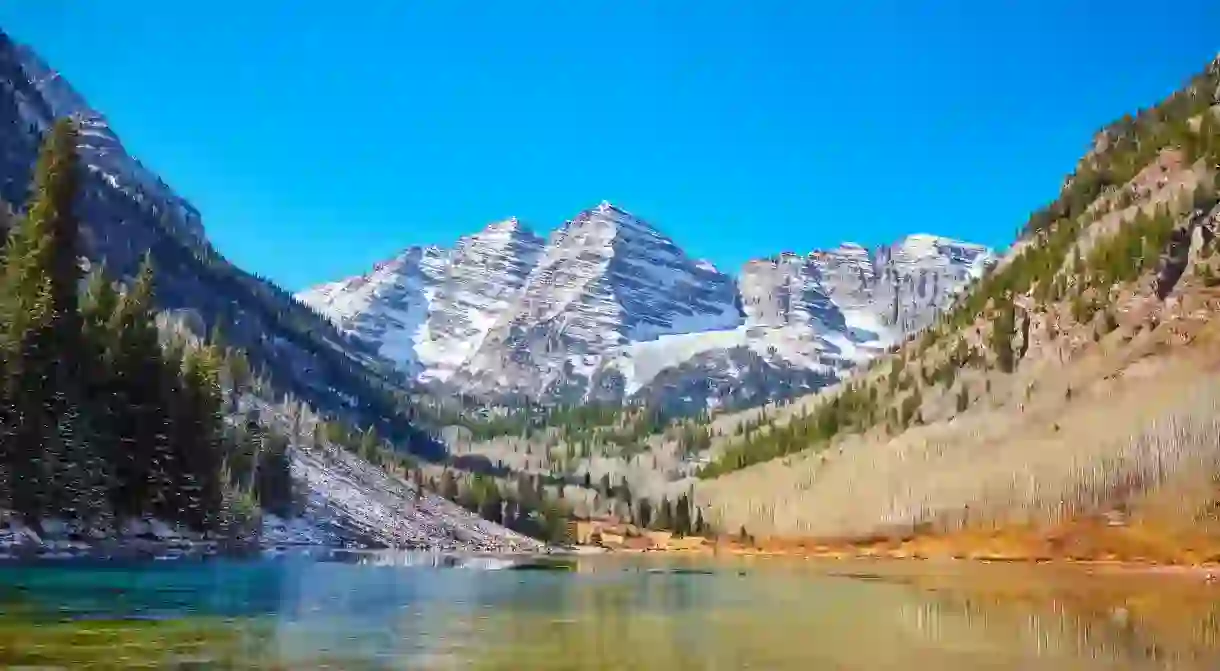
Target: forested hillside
[99,421]
[126,211]
[1065,384]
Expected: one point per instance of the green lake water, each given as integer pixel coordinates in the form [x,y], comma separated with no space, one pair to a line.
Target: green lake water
[374,612]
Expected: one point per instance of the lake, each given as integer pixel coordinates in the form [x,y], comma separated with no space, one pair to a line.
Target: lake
[397,611]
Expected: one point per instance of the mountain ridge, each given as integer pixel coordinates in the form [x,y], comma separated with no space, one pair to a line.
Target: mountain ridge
[570,310]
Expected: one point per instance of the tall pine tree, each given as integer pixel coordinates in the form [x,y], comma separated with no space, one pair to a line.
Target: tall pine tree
[43,438]
[97,418]
[143,454]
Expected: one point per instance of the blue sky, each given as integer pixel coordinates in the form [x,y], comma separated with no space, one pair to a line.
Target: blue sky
[320,137]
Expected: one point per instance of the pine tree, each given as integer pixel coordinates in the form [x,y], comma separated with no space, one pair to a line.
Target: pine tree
[98,308]
[143,462]
[74,476]
[664,515]
[24,317]
[492,506]
[77,484]
[368,444]
[197,438]
[449,487]
[1002,330]
[51,210]
[40,336]
[624,490]
[273,478]
[643,513]
[682,521]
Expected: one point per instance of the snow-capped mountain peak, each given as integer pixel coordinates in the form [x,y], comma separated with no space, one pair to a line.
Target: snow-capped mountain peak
[925,248]
[429,308]
[485,274]
[507,227]
[387,305]
[606,279]
[608,303]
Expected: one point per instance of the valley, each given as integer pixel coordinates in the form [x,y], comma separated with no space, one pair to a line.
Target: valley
[364,375]
[485,395]
[1060,408]
[265,447]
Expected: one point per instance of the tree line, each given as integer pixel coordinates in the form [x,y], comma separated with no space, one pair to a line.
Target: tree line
[522,504]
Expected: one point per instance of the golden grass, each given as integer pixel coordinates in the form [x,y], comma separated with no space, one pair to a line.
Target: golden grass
[1140,436]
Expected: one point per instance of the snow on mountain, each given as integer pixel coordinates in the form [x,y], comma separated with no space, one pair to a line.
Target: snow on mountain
[485,274]
[822,313]
[901,287]
[388,306]
[605,280]
[787,291]
[428,309]
[609,308]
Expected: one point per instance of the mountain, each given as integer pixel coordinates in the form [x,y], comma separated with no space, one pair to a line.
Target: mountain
[605,280]
[429,309]
[610,309]
[387,306]
[299,359]
[1065,406]
[125,210]
[807,321]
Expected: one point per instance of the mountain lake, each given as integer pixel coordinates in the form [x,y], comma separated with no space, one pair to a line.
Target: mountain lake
[386,610]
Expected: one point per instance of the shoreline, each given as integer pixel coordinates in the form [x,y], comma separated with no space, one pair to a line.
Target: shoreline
[1137,548]
[139,539]
[1210,571]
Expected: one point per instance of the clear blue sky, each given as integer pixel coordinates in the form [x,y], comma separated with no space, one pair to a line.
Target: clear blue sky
[320,137]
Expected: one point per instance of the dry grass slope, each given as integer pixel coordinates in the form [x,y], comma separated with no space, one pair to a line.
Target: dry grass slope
[1110,422]
[1051,462]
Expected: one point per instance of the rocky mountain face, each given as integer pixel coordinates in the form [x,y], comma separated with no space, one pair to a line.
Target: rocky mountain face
[610,309]
[606,280]
[429,309]
[386,306]
[807,321]
[126,210]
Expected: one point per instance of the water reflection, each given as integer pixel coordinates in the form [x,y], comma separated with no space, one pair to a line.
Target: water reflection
[366,611]
[1125,624]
